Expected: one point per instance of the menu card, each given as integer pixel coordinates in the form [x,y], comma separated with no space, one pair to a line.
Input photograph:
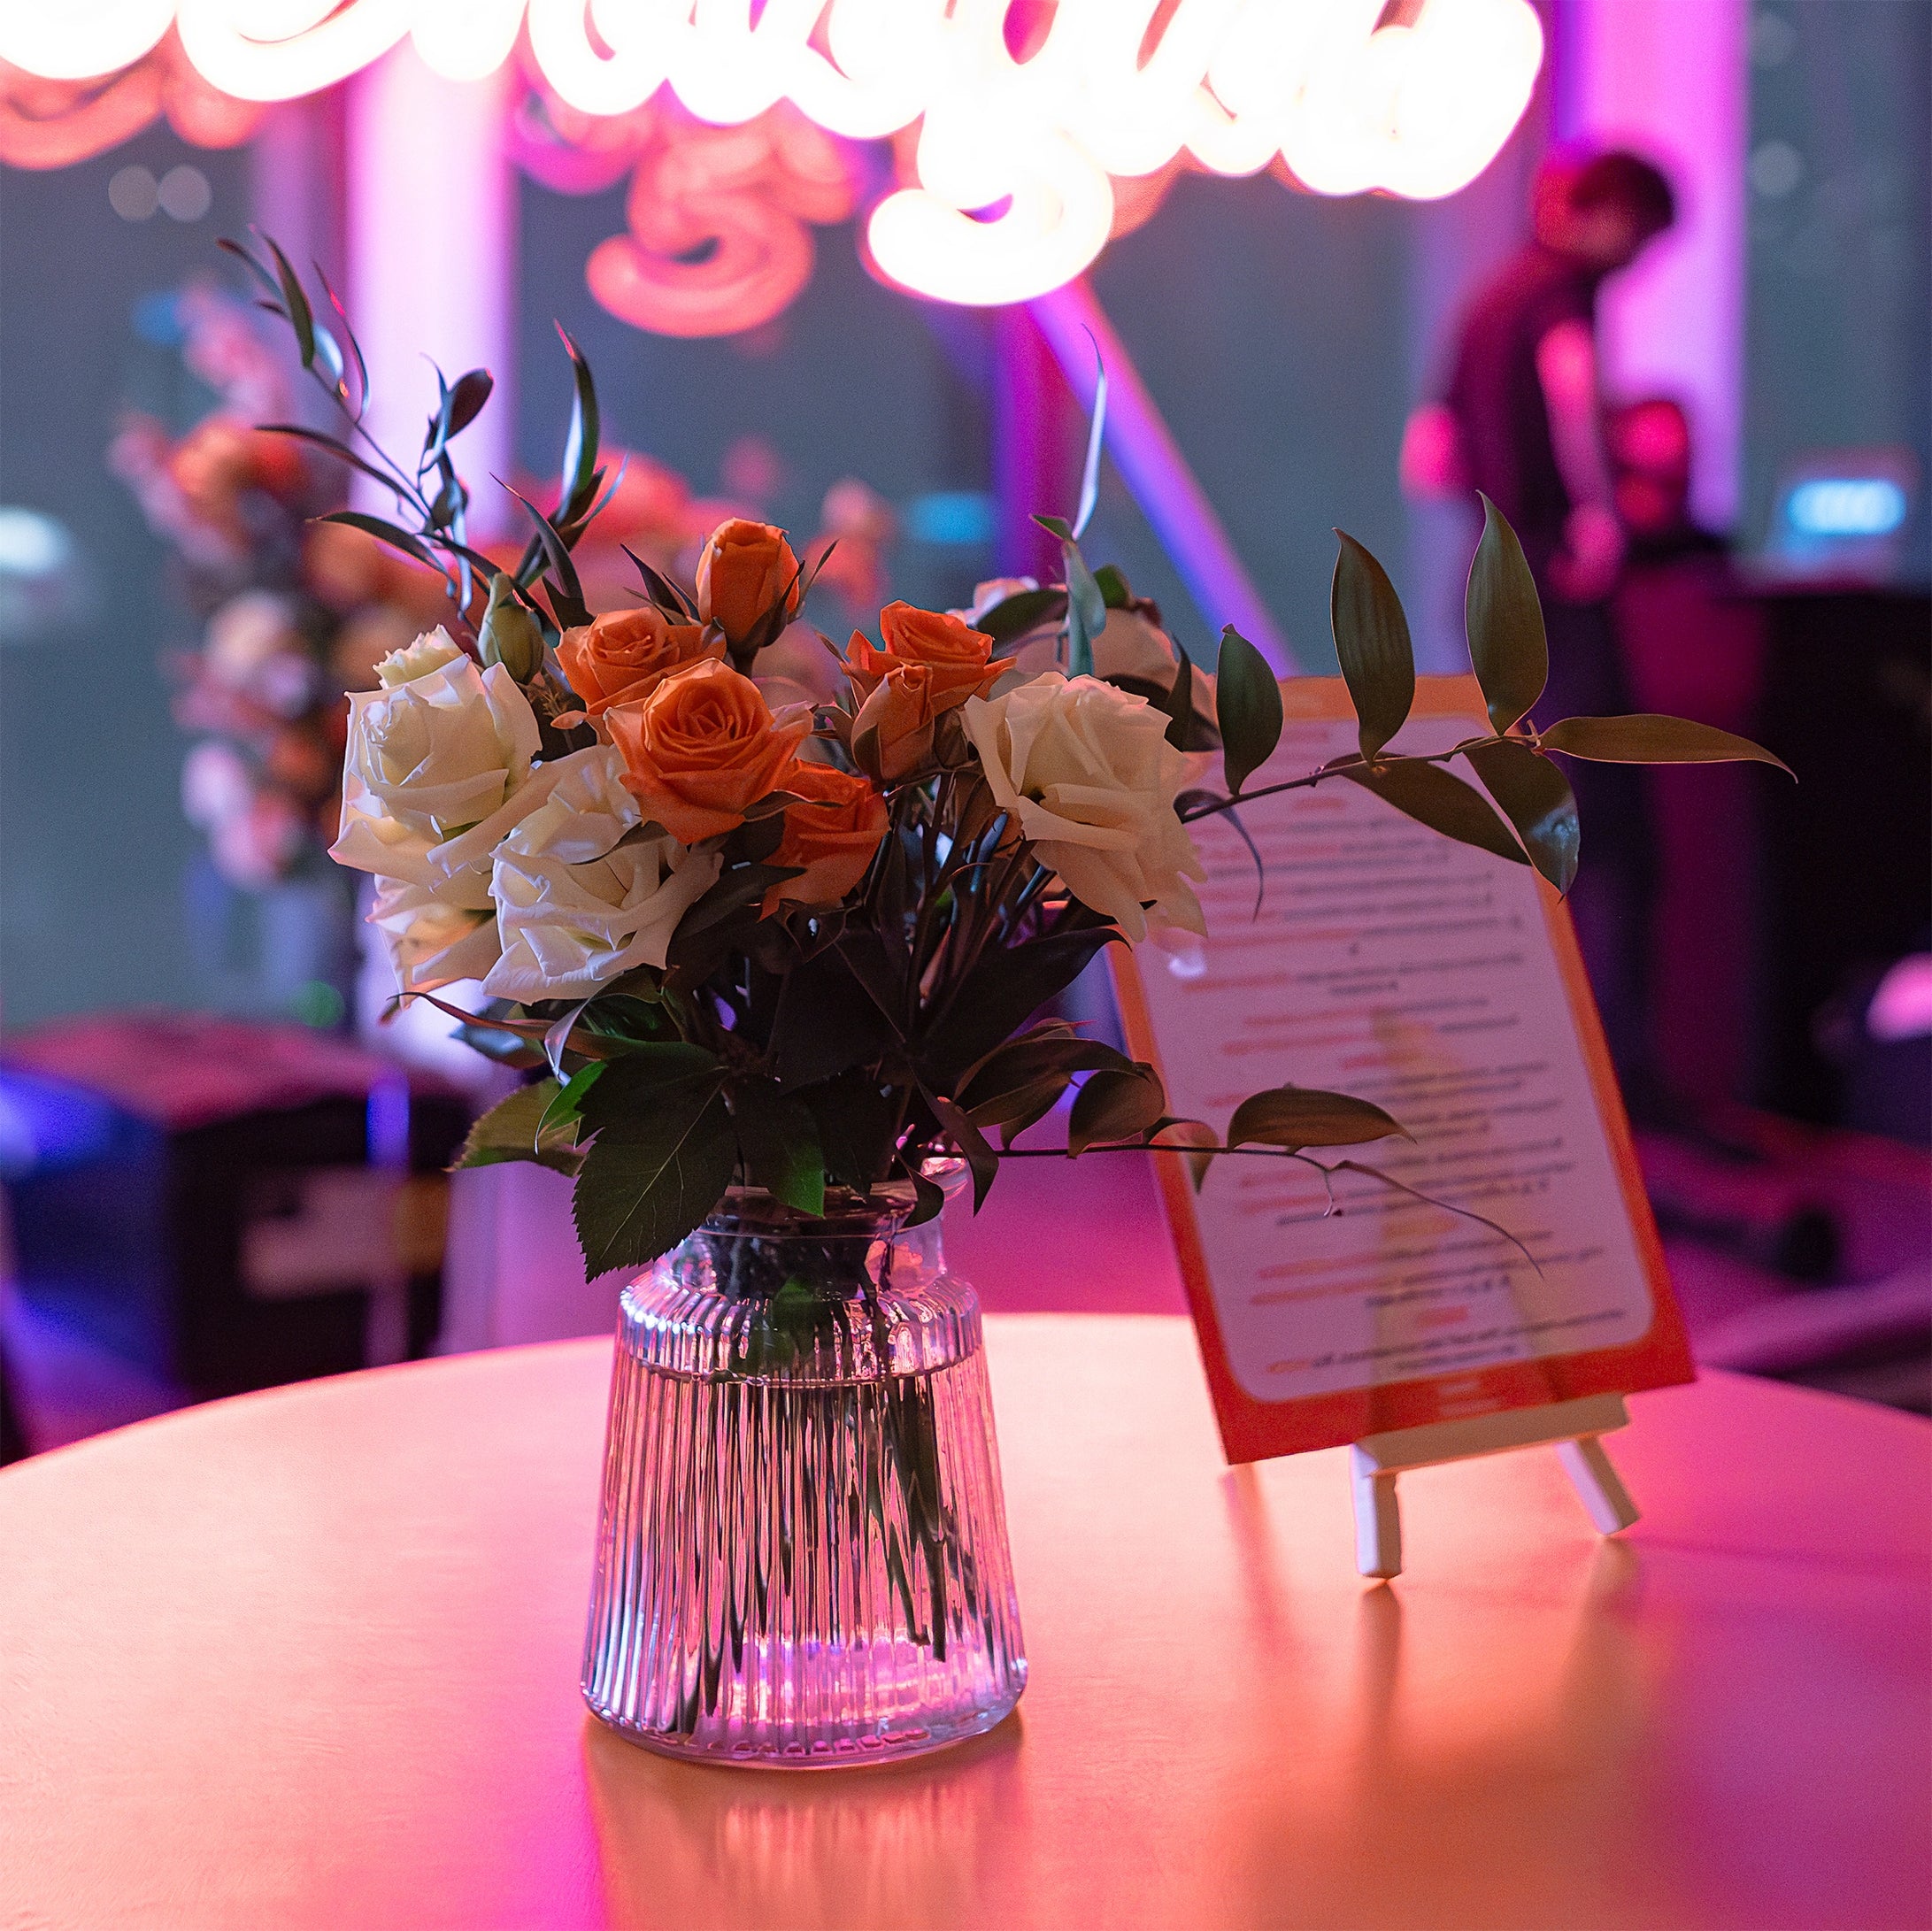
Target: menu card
[1443,983]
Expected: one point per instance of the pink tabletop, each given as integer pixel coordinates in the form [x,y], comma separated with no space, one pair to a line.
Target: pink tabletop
[309,1658]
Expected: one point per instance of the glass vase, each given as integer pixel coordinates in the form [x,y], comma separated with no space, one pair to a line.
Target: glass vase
[802,1559]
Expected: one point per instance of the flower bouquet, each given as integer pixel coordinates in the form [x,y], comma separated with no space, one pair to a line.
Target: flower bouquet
[785,977]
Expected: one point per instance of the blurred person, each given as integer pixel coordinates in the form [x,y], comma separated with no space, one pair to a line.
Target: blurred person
[1522,421]
[1690,644]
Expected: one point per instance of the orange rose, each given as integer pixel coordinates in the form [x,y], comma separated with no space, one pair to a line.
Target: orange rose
[746,567]
[833,840]
[622,656]
[932,663]
[702,750]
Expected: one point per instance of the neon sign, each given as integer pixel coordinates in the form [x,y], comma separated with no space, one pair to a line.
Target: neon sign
[1015,158]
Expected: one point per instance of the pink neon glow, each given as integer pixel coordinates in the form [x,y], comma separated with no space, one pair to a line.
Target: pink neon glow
[1668,78]
[1171,498]
[1416,108]
[430,219]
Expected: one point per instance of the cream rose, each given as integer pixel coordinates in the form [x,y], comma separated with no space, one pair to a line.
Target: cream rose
[1087,771]
[440,767]
[580,897]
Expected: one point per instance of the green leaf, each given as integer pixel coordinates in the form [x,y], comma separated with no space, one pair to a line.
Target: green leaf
[653,1172]
[1113,590]
[779,1140]
[1504,618]
[1023,610]
[1440,800]
[384,533]
[981,1162]
[1200,1139]
[826,1022]
[1090,473]
[466,401]
[1295,1117]
[1002,992]
[301,318]
[1372,640]
[1538,801]
[578,485]
[1115,1105]
[566,1108]
[1648,739]
[510,1131]
[1086,612]
[1248,701]
[1003,1086]
[1055,525]
[854,1119]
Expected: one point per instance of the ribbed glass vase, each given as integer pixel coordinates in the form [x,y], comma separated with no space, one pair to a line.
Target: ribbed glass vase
[801,1558]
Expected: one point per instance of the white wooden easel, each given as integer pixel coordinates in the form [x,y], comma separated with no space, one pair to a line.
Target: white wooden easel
[1574,1427]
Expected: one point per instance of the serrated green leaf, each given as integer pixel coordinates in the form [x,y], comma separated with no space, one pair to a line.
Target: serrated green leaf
[1538,802]
[1113,590]
[1372,642]
[1295,1117]
[1115,1105]
[1646,738]
[566,1108]
[653,1172]
[511,1131]
[1248,701]
[779,1140]
[1440,800]
[1055,525]
[1503,617]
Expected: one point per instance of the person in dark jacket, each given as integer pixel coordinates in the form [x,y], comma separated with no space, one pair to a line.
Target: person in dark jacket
[1522,420]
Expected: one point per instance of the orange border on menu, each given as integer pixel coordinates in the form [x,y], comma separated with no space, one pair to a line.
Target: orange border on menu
[1254,1430]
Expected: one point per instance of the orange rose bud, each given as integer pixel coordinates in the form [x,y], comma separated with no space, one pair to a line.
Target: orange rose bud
[931,665]
[702,750]
[622,656]
[746,567]
[833,840]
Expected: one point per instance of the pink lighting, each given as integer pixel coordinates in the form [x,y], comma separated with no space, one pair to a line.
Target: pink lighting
[1346,103]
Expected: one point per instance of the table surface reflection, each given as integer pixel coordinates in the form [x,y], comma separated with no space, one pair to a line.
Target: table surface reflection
[310,1658]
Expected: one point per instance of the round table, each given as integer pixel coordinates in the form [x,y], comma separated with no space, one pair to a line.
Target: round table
[309,1658]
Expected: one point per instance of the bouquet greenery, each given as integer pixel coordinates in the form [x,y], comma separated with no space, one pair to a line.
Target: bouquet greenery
[808,950]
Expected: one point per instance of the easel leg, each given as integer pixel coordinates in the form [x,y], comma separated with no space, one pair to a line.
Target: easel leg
[1378,1518]
[1597,1483]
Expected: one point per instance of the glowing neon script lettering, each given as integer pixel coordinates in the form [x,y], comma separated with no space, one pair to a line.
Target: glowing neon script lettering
[1416,108]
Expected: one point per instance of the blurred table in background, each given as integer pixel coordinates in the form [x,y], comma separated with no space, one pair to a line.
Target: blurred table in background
[310,1658]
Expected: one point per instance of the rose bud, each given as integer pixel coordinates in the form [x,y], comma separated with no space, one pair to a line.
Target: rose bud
[510,636]
[745,570]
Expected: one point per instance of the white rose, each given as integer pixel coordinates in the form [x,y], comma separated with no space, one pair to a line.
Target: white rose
[991,593]
[580,897]
[1087,770]
[439,769]
[430,652]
